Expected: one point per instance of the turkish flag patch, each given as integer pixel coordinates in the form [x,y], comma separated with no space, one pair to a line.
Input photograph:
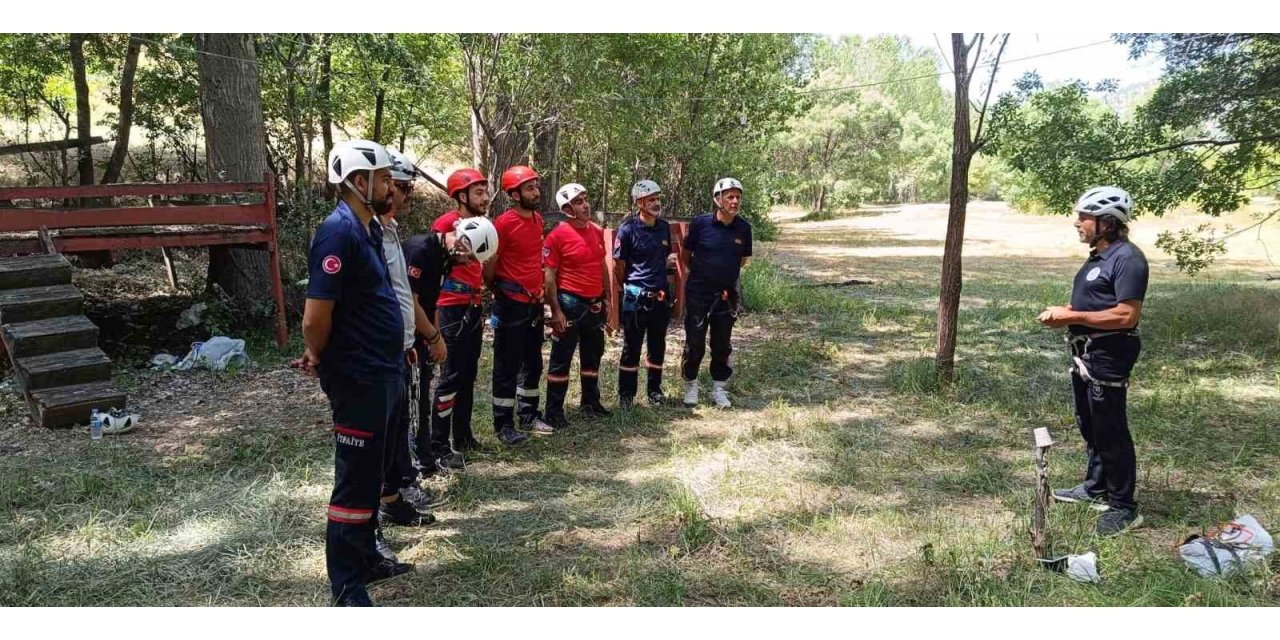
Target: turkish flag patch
[415,272]
[331,264]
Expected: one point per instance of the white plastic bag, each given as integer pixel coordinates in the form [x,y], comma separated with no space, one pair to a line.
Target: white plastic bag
[217,354]
[1227,548]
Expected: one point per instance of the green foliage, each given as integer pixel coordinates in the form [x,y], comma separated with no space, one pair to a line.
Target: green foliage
[1193,250]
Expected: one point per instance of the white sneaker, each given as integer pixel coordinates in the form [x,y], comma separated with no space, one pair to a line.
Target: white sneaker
[720,396]
[691,393]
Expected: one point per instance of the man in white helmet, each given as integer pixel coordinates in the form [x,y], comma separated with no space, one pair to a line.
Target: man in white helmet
[716,248]
[353,329]
[641,249]
[401,494]
[573,257]
[1102,335]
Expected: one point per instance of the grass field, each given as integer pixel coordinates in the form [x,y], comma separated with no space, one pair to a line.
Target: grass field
[843,476]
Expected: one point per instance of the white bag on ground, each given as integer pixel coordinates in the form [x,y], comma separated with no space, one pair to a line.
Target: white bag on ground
[1228,548]
[217,354]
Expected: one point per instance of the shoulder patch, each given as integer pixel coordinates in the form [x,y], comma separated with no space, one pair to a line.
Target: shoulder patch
[415,272]
[331,264]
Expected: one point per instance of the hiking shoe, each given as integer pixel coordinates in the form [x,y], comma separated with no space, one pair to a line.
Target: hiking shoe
[1078,494]
[626,403]
[691,393]
[511,437]
[403,514]
[421,498]
[1116,520]
[595,409]
[468,444]
[539,427]
[354,598]
[386,570]
[558,422]
[451,462]
[380,543]
[656,399]
[720,397]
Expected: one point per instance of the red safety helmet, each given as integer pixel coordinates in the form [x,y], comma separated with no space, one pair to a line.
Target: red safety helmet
[461,179]
[515,176]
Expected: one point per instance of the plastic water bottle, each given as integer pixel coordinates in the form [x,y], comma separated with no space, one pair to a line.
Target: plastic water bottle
[95,425]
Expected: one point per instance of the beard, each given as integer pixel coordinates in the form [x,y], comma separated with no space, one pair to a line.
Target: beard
[381,207]
[529,205]
[468,209]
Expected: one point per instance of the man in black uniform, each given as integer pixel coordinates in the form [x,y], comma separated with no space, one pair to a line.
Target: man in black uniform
[641,249]
[353,329]
[716,248]
[1102,336]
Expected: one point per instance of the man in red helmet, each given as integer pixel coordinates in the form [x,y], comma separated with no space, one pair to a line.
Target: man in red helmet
[460,321]
[515,277]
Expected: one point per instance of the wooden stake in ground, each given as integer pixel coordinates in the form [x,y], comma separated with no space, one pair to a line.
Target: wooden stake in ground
[1039,530]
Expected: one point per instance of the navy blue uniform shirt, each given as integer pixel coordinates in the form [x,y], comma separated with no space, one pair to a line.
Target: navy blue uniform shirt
[645,249]
[347,266]
[1108,278]
[429,264]
[718,250]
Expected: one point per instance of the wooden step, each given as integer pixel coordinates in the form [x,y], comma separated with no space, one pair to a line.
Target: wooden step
[38,303]
[34,271]
[38,337]
[62,369]
[64,406]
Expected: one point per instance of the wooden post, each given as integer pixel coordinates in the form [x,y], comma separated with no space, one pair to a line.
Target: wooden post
[273,249]
[169,269]
[611,287]
[677,244]
[1039,530]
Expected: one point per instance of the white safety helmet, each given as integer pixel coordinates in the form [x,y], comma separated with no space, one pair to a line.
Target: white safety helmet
[1106,201]
[569,192]
[402,168]
[644,189]
[725,184]
[480,236]
[357,155]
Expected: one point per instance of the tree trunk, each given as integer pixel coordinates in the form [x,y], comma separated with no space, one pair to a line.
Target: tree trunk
[115,166]
[84,119]
[379,102]
[476,134]
[326,108]
[961,154]
[235,150]
[822,197]
[508,148]
[544,154]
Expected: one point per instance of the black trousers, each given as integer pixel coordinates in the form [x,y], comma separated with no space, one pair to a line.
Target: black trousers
[1102,416]
[649,319]
[448,410]
[362,410]
[586,328]
[397,471]
[517,360]
[703,313]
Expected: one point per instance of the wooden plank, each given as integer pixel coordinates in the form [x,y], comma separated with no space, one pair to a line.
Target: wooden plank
[34,271]
[678,232]
[136,189]
[74,245]
[27,219]
[52,145]
[60,369]
[38,337]
[37,303]
[69,405]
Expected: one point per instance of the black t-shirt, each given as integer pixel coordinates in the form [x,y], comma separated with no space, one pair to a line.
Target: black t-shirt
[429,264]
[1108,278]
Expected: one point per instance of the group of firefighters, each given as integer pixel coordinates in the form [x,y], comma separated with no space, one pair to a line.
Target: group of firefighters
[383,312]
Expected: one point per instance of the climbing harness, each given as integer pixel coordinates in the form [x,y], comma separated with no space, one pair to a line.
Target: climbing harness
[1082,343]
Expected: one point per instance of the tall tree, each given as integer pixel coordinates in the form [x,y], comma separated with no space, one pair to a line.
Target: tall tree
[235,147]
[124,121]
[966,143]
[84,118]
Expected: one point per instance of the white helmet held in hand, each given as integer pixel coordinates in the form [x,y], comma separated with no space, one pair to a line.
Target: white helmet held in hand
[480,237]
[402,168]
[357,155]
[725,184]
[644,189]
[568,192]
[1106,201]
